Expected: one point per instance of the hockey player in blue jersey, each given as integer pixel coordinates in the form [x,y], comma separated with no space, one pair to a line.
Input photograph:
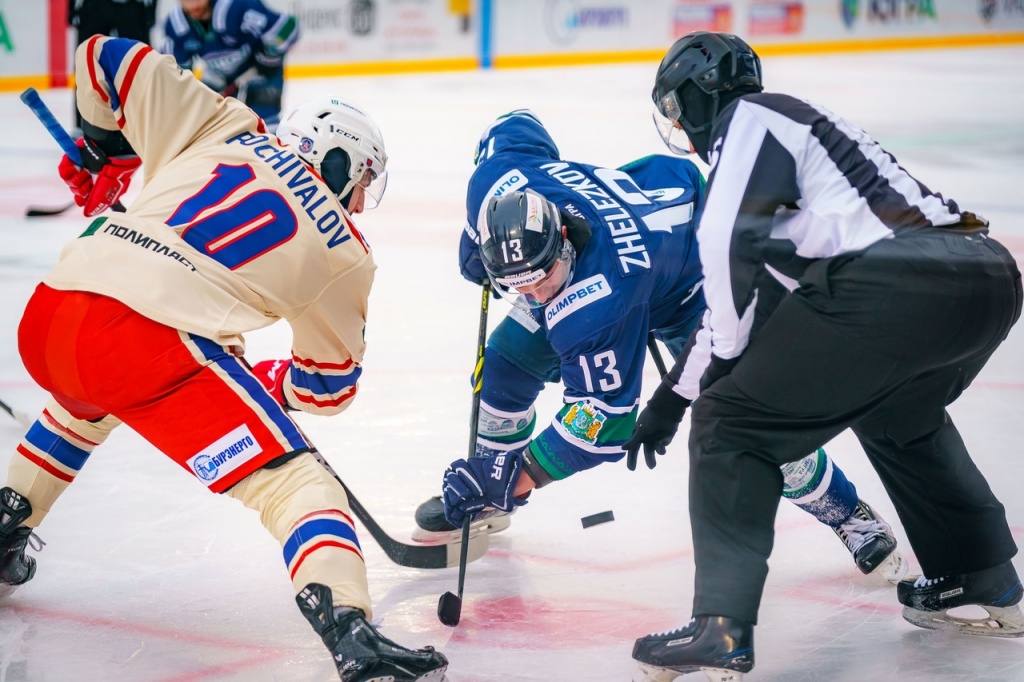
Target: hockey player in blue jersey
[596,259]
[241,43]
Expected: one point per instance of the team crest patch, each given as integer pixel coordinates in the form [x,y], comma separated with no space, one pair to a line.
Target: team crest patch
[583,421]
[305,145]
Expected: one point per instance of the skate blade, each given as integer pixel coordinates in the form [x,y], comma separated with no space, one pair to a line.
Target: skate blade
[7,590]
[893,569]
[432,676]
[654,673]
[490,526]
[1002,622]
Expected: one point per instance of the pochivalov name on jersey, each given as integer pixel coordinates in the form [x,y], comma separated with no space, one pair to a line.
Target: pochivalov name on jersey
[292,169]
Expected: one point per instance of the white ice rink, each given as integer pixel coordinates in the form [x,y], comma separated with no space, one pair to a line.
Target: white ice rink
[148,578]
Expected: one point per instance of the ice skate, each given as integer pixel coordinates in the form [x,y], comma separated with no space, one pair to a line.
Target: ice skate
[872,544]
[16,568]
[360,653]
[722,648]
[432,528]
[926,602]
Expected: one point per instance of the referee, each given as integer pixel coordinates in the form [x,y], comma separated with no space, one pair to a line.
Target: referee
[898,298]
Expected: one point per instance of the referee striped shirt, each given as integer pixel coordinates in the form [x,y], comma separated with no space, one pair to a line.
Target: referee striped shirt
[791,183]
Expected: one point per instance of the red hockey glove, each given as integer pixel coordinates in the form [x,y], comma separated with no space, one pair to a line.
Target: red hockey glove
[271,374]
[96,195]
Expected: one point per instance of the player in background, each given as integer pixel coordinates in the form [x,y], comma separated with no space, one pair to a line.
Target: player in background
[616,253]
[241,44]
[142,322]
[898,299]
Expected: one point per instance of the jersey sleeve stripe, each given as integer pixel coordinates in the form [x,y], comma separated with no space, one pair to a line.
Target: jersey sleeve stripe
[281,35]
[129,77]
[324,384]
[112,55]
[334,402]
[306,362]
[178,22]
[219,20]
[91,54]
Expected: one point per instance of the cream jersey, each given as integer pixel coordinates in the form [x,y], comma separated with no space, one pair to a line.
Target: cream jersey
[231,232]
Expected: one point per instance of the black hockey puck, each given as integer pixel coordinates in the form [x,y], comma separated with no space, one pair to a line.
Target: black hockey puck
[594,519]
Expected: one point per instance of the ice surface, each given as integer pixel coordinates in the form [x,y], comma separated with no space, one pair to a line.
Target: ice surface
[147,577]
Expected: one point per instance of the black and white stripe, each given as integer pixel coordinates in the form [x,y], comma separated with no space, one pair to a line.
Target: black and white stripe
[792,183]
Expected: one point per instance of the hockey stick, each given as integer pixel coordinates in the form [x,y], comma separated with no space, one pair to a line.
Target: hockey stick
[404,554]
[18,416]
[449,606]
[39,212]
[38,107]
[652,345]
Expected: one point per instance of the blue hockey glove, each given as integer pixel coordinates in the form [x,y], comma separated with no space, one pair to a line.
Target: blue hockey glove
[470,265]
[470,485]
[656,426]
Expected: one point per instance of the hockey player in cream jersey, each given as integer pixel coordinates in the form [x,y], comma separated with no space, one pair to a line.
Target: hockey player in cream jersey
[142,321]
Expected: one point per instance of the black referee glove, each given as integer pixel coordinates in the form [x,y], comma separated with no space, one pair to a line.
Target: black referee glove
[656,426]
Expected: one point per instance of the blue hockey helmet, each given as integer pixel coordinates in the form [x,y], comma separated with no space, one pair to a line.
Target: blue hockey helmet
[524,247]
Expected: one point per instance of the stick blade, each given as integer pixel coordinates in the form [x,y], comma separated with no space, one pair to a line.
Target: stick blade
[449,609]
[43,212]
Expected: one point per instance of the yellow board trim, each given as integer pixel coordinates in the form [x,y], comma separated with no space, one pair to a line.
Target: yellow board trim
[42,82]
[380,68]
[19,83]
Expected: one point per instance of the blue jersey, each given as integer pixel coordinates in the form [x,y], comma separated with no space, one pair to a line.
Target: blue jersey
[638,272]
[239,35]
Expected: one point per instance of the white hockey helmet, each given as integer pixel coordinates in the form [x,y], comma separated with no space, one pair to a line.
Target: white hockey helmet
[342,143]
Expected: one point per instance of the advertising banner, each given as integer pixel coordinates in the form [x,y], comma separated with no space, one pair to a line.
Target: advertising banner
[24,55]
[347,37]
[380,31]
[538,32]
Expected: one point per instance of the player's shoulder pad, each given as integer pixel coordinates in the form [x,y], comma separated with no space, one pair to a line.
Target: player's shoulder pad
[237,16]
[518,131]
[176,25]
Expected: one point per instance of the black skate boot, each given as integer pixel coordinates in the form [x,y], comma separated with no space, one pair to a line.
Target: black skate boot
[432,528]
[360,653]
[722,648]
[997,590]
[15,567]
[872,544]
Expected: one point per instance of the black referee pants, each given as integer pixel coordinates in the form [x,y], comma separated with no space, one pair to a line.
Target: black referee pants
[880,343]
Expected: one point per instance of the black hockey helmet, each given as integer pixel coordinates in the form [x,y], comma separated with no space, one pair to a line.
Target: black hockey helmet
[524,248]
[699,71]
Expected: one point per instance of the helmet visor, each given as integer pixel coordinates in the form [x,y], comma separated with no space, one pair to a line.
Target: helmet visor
[672,133]
[373,187]
[537,288]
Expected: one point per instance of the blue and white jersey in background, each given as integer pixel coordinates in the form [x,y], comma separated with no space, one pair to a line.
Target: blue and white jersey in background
[638,272]
[239,35]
